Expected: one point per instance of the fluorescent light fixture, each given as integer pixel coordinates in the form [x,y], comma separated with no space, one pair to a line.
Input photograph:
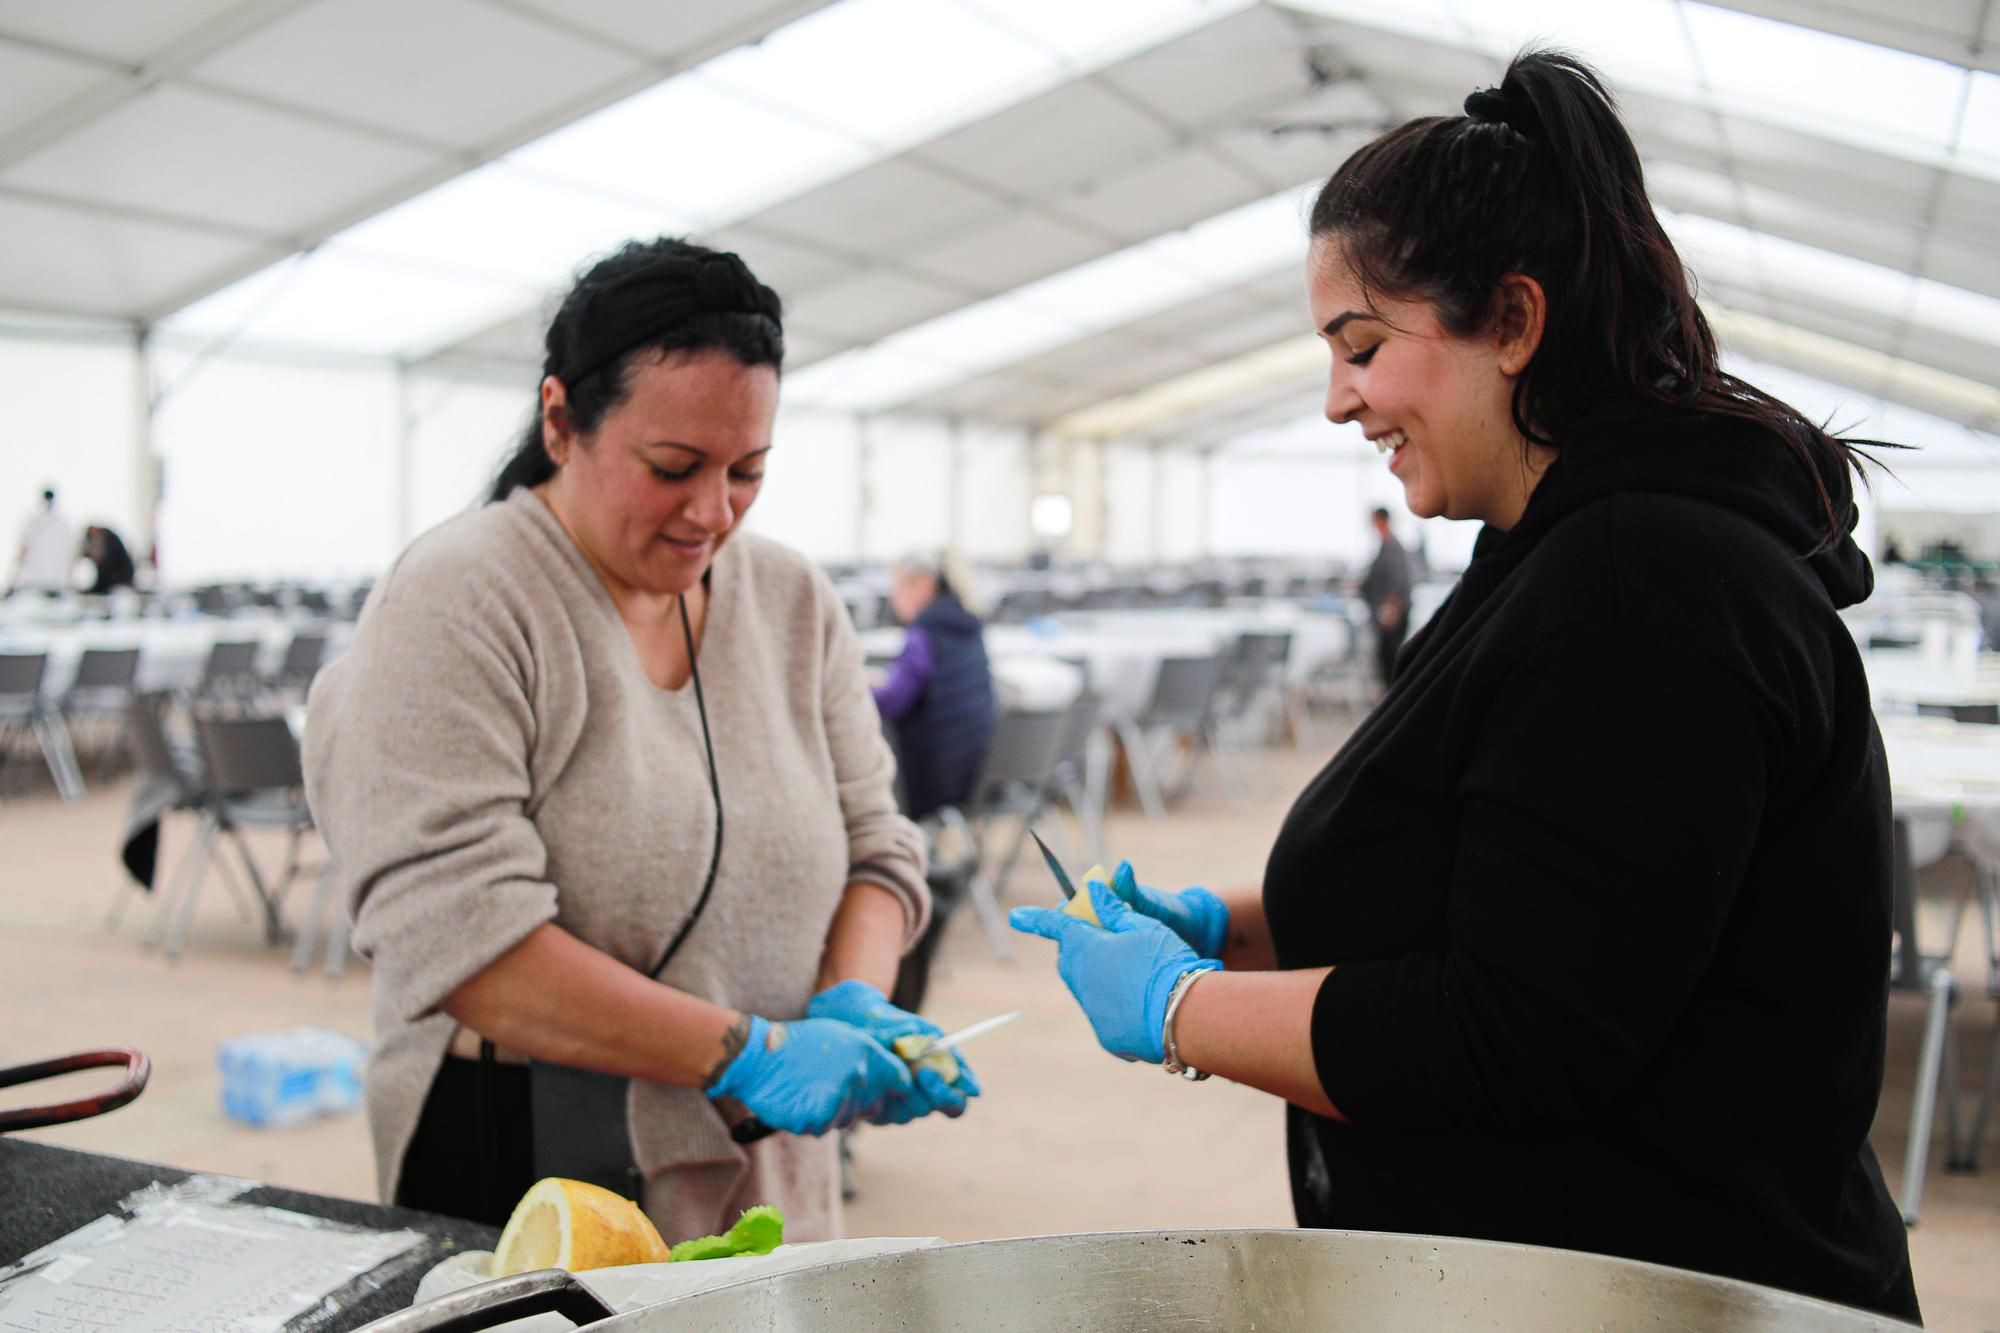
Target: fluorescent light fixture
[1104,293]
[845,86]
[1294,360]
[1762,69]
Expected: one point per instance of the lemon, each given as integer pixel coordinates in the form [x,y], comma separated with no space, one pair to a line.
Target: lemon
[942,1063]
[1079,906]
[571,1224]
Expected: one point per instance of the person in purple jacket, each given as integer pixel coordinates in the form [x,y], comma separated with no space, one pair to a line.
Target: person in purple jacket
[939,692]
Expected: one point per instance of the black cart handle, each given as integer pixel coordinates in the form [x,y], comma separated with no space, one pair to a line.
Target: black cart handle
[137,1070]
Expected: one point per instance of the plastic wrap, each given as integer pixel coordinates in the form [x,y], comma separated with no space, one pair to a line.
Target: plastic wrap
[196,1258]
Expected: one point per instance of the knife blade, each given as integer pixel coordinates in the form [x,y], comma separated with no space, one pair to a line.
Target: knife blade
[1055,866]
[966,1033]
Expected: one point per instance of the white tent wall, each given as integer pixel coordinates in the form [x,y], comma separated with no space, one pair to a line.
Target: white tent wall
[1131,510]
[459,431]
[74,408]
[274,470]
[994,489]
[811,499]
[906,487]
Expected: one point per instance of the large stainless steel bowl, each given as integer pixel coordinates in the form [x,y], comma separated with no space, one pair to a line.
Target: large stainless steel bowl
[1113,1282]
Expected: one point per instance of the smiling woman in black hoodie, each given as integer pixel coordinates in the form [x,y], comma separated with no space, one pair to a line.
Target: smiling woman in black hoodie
[1583,938]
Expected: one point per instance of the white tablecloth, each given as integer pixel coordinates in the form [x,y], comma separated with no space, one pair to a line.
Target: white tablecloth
[1122,650]
[1900,679]
[1945,778]
[171,652]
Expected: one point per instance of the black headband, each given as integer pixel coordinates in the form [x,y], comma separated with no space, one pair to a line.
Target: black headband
[667,293]
[1498,107]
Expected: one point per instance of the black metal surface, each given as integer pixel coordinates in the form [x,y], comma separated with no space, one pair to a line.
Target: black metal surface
[50,1192]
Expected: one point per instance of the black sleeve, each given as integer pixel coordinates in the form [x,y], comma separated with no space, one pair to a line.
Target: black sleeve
[1608,812]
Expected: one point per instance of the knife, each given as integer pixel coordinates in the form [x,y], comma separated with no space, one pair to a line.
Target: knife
[1055,866]
[753,1129]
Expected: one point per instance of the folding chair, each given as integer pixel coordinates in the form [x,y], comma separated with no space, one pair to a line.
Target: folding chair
[1012,782]
[1182,706]
[229,673]
[23,712]
[1916,971]
[303,656]
[254,781]
[177,769]
[101,694]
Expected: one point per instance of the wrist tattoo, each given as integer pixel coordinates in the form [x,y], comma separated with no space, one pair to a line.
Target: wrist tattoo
[733,1042]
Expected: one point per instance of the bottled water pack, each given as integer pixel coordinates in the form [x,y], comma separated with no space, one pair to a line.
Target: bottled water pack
[271,1079]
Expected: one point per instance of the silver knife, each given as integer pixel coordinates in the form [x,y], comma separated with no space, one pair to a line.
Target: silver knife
[1055,866]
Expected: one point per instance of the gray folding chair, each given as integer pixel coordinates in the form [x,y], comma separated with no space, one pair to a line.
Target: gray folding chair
[1916,970]
[254,781]
[303,657]
[24,713]
[1983,715]
[170,779]
[99,697]
[228,673]
[1076,779]
[1967,1156]
[1012,783]
[1253,679]
[1182,707]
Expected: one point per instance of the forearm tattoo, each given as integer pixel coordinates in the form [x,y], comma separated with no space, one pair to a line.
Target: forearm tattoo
[733,1042]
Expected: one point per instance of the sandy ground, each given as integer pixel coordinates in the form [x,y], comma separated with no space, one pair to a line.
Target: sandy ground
[1065,1139]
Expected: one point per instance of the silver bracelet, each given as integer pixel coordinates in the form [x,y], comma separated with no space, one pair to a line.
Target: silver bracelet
[1172,1062]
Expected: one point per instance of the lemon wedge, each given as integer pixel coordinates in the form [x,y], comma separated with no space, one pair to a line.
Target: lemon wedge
[1079,906]
[571,1224]
[942,1063]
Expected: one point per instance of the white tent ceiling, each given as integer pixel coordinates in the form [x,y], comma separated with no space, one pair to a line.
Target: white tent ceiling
[1018,210]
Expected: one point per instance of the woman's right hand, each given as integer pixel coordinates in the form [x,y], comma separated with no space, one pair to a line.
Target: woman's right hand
[1196,915]
[812,1075]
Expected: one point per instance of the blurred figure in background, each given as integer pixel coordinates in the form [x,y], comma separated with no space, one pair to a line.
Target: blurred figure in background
[48,544]
[1386,589]
[107,554]
[939,693]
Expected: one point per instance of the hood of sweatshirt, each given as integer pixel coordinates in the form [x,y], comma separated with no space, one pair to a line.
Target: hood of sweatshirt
[1736,464]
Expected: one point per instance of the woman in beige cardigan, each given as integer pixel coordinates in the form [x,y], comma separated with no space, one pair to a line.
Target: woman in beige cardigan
[520,765]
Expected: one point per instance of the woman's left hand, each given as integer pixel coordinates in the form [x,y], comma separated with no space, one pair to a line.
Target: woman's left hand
[865,1007]
[1122,972]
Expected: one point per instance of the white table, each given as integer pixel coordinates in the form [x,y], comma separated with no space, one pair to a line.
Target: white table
[171,652]
[1945,781]
[1901,679]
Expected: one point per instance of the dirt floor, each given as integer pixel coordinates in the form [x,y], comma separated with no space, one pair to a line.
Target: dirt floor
[1065,1139]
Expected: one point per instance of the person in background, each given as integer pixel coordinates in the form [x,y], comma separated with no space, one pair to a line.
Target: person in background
[1386,590]
[48,550]
[939,690]
[106,552]
[1582,939]
[1892,552]
[522,767]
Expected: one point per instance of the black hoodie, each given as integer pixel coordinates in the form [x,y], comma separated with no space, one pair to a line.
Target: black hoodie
[1604,882]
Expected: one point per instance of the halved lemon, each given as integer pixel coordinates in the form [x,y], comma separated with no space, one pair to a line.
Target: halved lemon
[575,1225]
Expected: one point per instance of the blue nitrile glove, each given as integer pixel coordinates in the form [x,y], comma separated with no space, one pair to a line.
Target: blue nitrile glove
[1195,914]
[1121,972]
[869,1009]
[811,1076]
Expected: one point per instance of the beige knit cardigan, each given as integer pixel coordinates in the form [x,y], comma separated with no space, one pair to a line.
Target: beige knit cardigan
[489,754]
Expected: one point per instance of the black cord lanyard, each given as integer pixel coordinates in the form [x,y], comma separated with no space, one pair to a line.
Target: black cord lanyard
[714,790]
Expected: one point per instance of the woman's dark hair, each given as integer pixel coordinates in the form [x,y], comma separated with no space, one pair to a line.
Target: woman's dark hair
[664,296]
[1540,178]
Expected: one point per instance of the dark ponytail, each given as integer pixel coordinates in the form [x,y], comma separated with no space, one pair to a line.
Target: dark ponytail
[667,296]
[1540,178]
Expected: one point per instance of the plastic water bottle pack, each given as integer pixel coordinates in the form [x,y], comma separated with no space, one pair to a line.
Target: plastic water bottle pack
[270,1079]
